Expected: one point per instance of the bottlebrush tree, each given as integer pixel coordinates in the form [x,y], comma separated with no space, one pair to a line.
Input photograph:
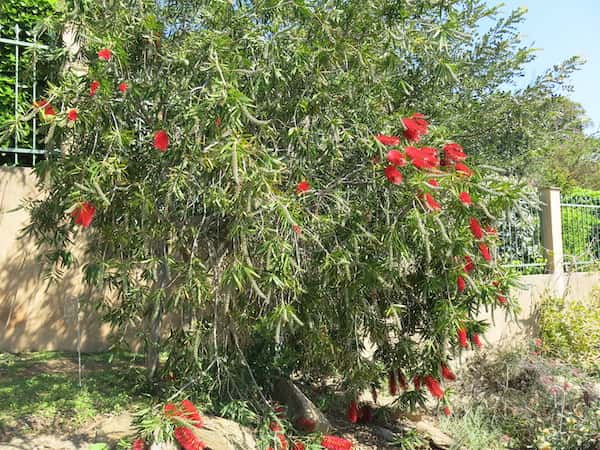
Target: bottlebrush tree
[256,196]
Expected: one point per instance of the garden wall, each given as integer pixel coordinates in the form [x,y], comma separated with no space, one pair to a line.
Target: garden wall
[35,315]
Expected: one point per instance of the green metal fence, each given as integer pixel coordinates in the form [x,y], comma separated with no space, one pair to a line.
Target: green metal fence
[580,220]
[23,146]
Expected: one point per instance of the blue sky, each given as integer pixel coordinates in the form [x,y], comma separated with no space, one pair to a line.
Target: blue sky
[561,29]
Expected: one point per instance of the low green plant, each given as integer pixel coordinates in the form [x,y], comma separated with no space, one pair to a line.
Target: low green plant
[570,330]
[474,431]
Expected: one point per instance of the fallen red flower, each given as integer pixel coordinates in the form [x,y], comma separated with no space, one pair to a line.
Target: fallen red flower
[433,386]
[161,141]
[390,141]
[393,175]
[84,214]
[447,411]
[335,443]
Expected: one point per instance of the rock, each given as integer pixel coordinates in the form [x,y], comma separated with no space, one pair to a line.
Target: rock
[385,433]
[438,438]
[223,434]
[299,407]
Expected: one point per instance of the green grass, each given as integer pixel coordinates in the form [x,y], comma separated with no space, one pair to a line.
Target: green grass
[41,390]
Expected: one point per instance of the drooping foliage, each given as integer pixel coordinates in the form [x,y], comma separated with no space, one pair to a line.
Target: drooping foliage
[258,194]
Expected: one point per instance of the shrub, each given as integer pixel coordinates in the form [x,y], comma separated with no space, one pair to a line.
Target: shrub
[570,330]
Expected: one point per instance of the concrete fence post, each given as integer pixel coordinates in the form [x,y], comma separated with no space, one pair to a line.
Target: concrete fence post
[552,239]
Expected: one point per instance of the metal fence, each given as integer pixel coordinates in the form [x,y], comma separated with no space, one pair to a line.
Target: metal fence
[521,235]
[22,146]
[580,220]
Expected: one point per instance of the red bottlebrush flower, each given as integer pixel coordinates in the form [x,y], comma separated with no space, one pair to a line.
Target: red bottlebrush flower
[432,204]
[475,228]
[485,252]
[415,127]
[365,414]
[469,264]
[447,411]
[170,410]
[490,230]
[218,122]
[187,439]
[462,337]
[138,444]
[462,169]
[402,380]
[192,414]
[105,54]
[447,373]
[390,141]
[298,446]
[425,158]
[476,340]
[123,87]
[275,426]
[45,107]
[433,183]
[283,445]
[454,152]
[72,115]
[393,387]
[502,299]
[374,394]
[465,198]
[161,141]
[302,187]
[352,412]
[417,383]
[393,175]
[335,443]
[94,86]
[396,158]
[306,424]
[460,284]
[84,214]
[433,386]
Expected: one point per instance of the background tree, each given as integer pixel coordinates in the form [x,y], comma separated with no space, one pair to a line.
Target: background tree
[238,211]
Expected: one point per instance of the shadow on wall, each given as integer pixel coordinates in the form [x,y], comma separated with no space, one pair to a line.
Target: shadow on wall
[35,314]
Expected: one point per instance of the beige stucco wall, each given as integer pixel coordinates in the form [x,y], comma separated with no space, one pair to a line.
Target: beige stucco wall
[35,315]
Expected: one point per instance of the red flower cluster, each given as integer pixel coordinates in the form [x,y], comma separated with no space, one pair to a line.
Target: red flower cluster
[187,439]
[105,54]
[476,340]
[415,127]
[469,264]
[138,444]
[45,107]
[453,153]
[447,411]
[396,158]
[161,141]
[460,284]
[335,443]
[276,428]
[476,228]
[425,158]
[432,204]
[72,115]
[359,414]
[84,214]
[447,373]
[123,87]
[191,413]
[94,86]
[389,141]
[302,187]
[393,175]
[465,198]
[433,386]
[462,337]
[485,251]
